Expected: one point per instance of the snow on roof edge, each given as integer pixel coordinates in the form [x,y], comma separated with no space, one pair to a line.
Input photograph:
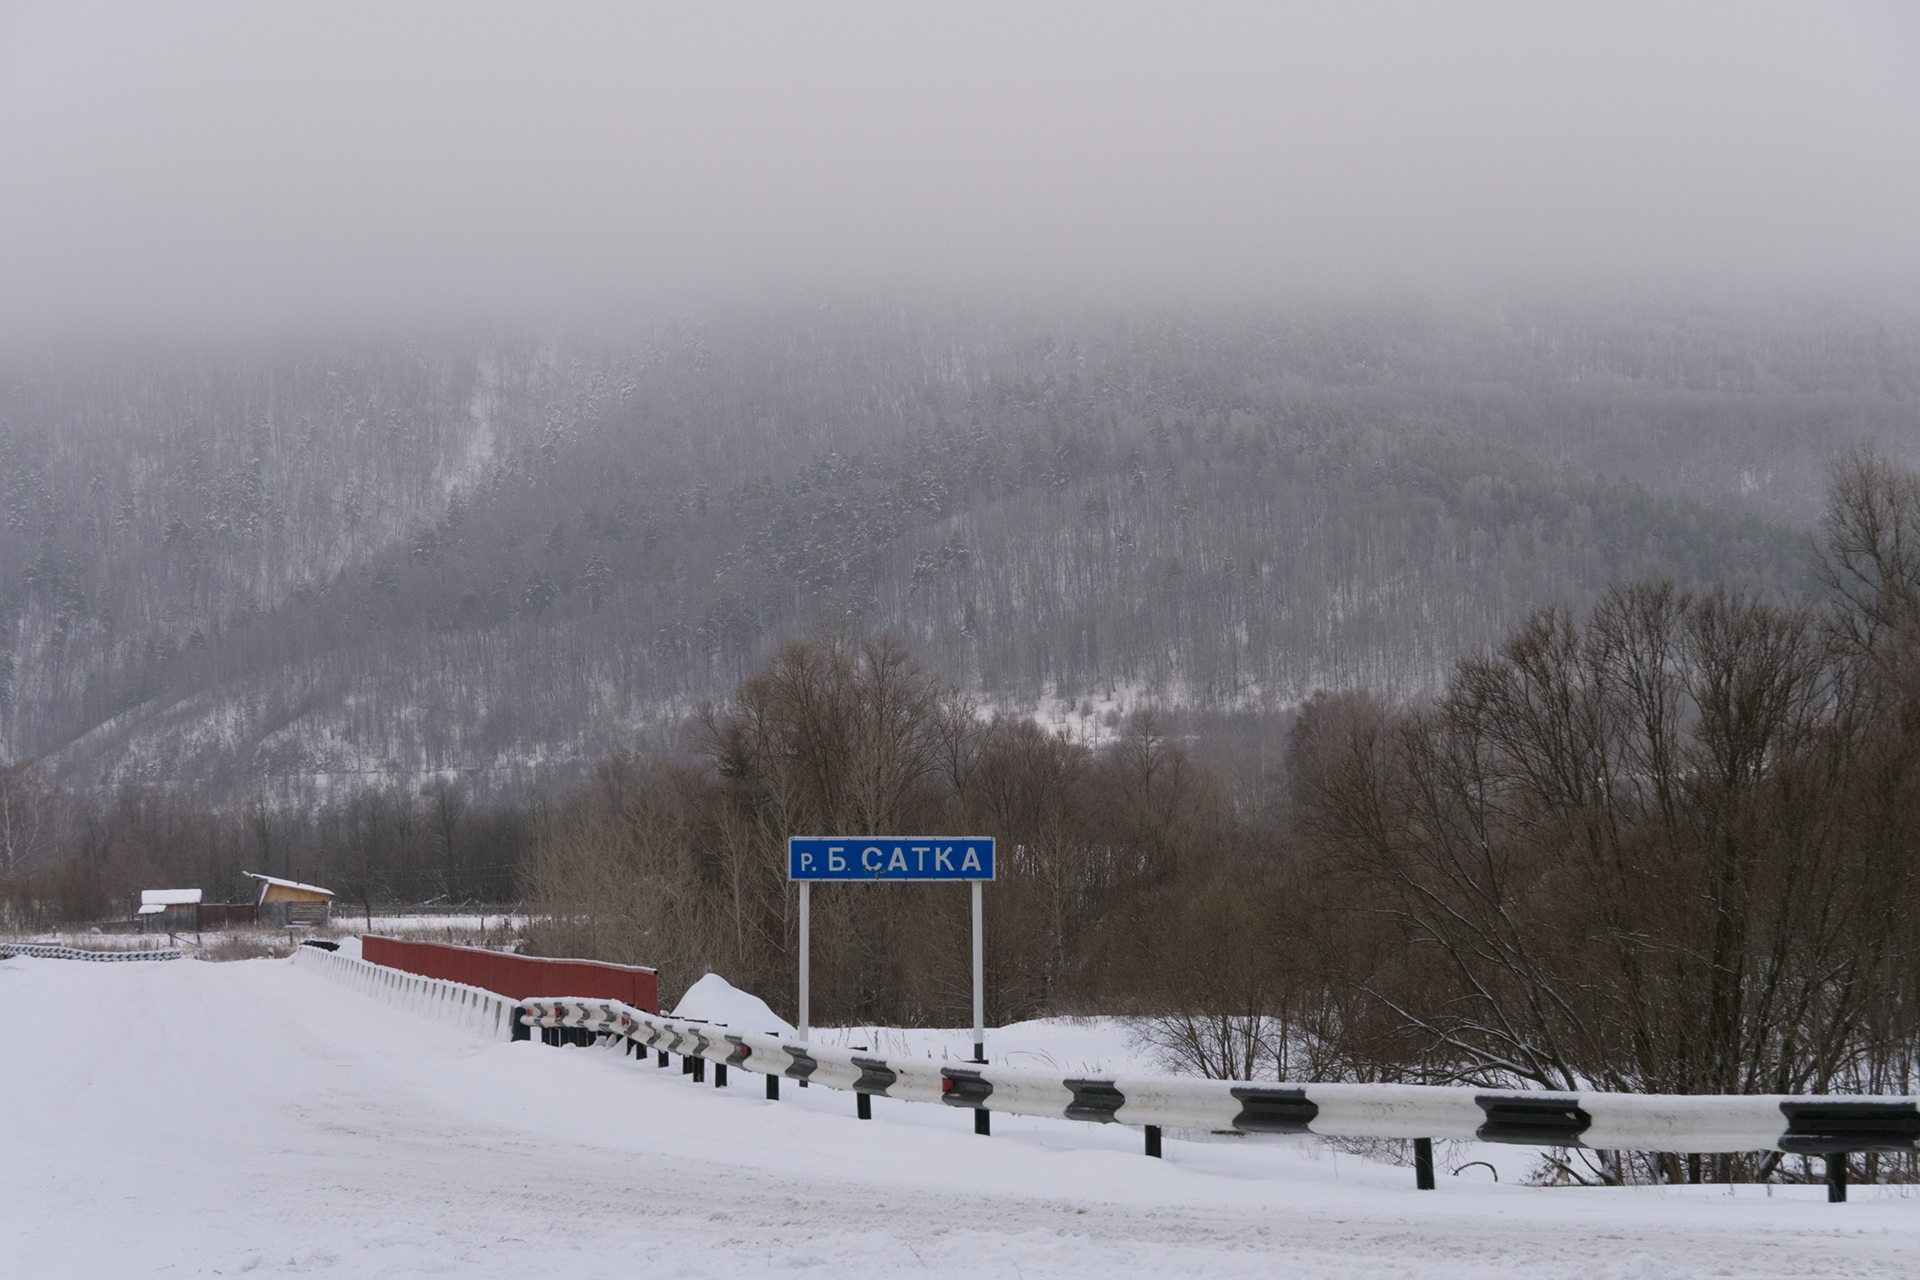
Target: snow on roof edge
[169,897]
[285,884]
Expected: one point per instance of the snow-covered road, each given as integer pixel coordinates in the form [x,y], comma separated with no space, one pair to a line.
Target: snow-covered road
[193,1118]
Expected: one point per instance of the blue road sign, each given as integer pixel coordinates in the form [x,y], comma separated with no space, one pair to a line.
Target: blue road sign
[890,858]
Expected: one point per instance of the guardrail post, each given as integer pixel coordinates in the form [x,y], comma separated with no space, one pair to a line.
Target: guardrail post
[982,1123]
[686,1064]
[699,1069]
[1837,1177]
[1423,1163]
[521,1031]
[663,1058]
[1153,1141]
[773,1087]
[864,1108]
[719,1075]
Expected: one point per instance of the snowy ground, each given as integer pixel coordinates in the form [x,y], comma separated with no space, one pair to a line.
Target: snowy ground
[194,1118]
[459,930]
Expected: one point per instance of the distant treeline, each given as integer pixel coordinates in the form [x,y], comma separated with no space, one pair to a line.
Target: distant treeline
[68,859]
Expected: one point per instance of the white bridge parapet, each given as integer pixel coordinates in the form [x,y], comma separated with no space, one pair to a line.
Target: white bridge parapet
[484,1013]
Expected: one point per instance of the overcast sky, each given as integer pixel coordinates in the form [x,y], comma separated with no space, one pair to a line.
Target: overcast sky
[273,163]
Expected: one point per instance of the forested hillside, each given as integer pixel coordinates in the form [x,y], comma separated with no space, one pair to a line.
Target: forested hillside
[291,570]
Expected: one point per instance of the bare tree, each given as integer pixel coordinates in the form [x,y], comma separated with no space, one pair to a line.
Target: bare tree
[26,813]
[1869,553]
[446,804]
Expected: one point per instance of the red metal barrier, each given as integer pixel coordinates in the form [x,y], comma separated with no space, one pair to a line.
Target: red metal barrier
[517,977]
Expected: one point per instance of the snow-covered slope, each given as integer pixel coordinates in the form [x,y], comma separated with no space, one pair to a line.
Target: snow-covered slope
[194,1118]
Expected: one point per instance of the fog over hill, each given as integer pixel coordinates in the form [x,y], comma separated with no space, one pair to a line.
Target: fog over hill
[472,388]
[296,566]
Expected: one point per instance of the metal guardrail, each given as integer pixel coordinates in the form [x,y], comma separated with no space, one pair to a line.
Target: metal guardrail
[1827,1126]
[1635,1122]
[47,951]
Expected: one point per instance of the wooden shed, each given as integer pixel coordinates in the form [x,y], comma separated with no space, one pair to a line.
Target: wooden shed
[175,910]
[290,902]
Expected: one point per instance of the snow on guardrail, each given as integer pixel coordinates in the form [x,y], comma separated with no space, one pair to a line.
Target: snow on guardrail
[47,951]
[484,1013]
[1817,1125]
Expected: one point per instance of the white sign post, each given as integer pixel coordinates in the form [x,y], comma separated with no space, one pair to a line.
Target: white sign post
[979,982]
[806,985]
[908,858]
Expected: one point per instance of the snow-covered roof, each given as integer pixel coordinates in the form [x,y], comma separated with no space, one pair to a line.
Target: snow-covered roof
[168,897]
[284,884]
[150,909]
